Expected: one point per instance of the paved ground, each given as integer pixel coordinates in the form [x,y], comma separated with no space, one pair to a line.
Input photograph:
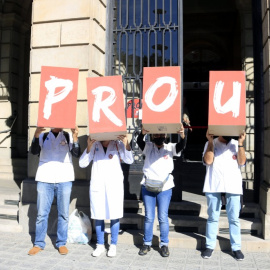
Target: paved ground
[14,248]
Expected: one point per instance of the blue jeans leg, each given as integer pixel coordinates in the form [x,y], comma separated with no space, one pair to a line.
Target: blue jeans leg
[149,200]
[62,194]
[100,231]
[163,202]
[233,206]
[115,225]
[45,195]
[213,211]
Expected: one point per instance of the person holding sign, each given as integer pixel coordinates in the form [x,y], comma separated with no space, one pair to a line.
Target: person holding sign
[106,186]
[223,157]
[54,179]
[157,184]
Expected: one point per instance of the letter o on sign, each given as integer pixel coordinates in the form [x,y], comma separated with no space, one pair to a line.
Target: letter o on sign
[168,102]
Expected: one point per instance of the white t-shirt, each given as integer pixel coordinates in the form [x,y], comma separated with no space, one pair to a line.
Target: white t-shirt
[158,163]
[55,161]
[224,174]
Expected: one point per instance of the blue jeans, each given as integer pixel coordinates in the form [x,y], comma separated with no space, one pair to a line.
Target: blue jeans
[233,206]
[46,194]
[162,199]
[115,225]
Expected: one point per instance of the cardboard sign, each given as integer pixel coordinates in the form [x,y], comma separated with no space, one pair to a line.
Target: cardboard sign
[133,105]
[58,97]
[161,110]
[227,103]
[106,108]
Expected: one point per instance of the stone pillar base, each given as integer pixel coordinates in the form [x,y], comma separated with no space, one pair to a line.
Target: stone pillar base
[265,209]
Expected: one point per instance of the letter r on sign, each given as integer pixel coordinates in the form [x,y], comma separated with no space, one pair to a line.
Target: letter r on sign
[104,105]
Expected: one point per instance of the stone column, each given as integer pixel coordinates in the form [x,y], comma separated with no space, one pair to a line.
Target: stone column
[14,86]
[265,186]
[13,33]
[66,33]
[244,7]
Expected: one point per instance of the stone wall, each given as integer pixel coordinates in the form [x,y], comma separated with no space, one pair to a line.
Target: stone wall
[66,33]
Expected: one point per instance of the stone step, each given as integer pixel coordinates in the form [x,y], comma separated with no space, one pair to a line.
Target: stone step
[135,221]
[192,204]
[16,162]
[12,176]
[195,241]
[250,210]
[9,210]
[198,224]
[9,195]
[7,225]
[13,169]
[191,224]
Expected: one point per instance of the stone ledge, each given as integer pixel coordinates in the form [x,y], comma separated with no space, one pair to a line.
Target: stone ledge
[75,57]
[45,11]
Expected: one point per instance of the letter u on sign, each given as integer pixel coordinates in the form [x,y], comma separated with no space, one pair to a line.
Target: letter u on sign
[227,103]
[162,99]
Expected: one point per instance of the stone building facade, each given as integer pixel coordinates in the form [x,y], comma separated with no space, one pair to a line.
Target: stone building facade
[68,33]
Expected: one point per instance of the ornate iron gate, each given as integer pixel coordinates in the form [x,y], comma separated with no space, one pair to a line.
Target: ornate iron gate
[146,33]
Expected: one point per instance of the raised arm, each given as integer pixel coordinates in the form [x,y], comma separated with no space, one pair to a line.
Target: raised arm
[125,150]
[209,153]
[140,138]
[182,144]
[35,147]
[241,156]
[76,149]
[88,153]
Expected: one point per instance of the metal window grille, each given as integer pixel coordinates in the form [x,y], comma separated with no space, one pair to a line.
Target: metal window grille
[146,33]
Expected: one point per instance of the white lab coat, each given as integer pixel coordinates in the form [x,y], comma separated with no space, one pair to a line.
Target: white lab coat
[158,163]
[224,174]
[55,161]
[106,186]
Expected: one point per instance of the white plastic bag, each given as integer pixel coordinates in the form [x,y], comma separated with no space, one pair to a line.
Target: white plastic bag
[79,228]
[86,225]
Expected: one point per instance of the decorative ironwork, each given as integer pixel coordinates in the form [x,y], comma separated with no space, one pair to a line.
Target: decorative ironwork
[146,33]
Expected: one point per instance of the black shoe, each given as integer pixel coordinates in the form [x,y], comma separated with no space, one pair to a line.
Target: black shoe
[144,249]
[238,255]
[164,251]
[207,253]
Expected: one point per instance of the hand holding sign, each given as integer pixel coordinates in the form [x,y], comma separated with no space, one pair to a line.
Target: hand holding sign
[90,143]
[75,133]
[209,137]
[181,131]
[144,131]
[38,131]
[124,139]
[242,137]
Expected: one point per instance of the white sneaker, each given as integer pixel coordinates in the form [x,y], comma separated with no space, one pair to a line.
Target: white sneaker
[98,251]
[112,251]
